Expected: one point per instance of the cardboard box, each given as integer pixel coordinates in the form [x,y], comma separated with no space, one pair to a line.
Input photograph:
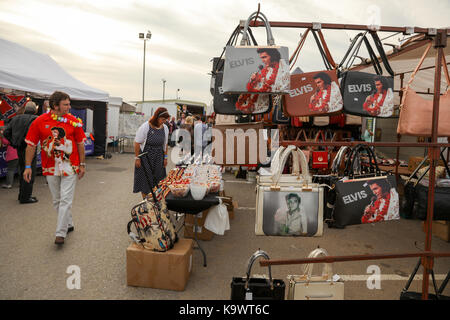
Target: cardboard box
[415,161]
[160,270]
[202,233]
[440,229]
[201,217]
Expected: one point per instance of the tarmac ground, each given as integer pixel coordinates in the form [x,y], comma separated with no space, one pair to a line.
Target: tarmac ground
[33,267]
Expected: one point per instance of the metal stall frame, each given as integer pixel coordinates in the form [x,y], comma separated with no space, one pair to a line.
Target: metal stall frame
[440,41]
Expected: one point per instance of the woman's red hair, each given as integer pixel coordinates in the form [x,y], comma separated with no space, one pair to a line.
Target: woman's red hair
[159,113]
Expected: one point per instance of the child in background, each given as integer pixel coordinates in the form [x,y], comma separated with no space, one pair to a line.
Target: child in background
[13,161]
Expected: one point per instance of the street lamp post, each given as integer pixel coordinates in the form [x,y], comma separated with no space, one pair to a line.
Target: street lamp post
[164,87]
[145,37]
[178,90]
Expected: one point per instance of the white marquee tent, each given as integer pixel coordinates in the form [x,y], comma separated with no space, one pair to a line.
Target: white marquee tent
[26,70]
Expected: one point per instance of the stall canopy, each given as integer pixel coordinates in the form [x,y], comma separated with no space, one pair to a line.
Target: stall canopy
[38,75]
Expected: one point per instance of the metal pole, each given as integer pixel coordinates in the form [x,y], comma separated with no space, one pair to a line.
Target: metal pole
[433,153]
[164,88]
[143,77]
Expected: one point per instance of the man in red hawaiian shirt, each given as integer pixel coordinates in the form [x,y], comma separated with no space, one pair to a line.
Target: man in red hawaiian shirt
[62,140]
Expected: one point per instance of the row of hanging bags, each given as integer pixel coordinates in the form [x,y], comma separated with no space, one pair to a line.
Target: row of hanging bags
[235,104]
[314,93]
[366,195]
[289,204]
[416,112]
[367,94]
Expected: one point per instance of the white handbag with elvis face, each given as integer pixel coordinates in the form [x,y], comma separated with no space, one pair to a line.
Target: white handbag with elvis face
[309,287]
[289,204]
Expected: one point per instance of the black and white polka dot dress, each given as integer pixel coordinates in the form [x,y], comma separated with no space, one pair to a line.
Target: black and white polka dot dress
[153,161]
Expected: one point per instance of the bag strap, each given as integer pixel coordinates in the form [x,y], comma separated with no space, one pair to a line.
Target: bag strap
[382,53]
[327,269]
[297,50]
[256,255]
[355,154]
[263,18]
[353,46]
[338,159]
[422,59]
[322,135]
[304,135]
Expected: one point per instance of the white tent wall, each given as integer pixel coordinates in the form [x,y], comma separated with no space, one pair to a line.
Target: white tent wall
[112,128]
[405,61]
[89,120]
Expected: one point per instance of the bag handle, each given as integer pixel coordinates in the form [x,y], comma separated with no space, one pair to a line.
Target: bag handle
[322,135]
[276,159]
[256,255]
[338,159]
[232,41]
[304,135]
[327,271]
[303,164]
[382,53]
[352,48]
[350,172]
[263,18]
[297,50]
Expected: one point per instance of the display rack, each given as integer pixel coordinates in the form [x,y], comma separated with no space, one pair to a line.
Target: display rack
[439,37]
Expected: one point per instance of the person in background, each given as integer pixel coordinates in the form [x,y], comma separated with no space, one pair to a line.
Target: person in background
[12,159]
[152,137]
[60,182]
[172,127]
[16,131]
[182,120]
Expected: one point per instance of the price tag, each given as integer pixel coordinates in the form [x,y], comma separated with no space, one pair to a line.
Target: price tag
[248,295]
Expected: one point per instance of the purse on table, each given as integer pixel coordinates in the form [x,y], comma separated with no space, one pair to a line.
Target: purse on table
[287,204]
[256,69]
[309,287]
[366,94]
[253,288]
[416,112]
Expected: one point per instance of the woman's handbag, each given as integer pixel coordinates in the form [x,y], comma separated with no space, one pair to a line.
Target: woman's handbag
[256,69]
[234,103]
[309,287]
[253,288]
[416,113]
[365,198]
[366,94]
[289,204]
[315,93]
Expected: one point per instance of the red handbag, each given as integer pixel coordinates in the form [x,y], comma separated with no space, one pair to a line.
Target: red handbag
[320,158]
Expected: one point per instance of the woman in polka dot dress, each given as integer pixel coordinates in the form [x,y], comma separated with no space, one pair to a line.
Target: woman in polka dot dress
[151,137]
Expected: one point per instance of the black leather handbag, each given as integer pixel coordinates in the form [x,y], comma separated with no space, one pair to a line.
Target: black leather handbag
[367,94]
[279,117]
[227,103]
[365,197]
[252,288]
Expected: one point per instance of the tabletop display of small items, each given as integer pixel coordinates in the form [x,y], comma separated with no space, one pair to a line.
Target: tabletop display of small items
[198,179]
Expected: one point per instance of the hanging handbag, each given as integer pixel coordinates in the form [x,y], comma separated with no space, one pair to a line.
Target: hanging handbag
[256,69]
[298,121]
[315,93]
[365,198]
[320,158]
[309,287]
[257,288]
[416,113]
[222,119]
[287,204]
[366,94]
[279,116]
[321,121]
[234,103]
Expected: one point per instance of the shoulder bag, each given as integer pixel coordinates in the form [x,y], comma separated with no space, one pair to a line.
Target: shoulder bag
[416,112]
[256,69]
[366,94]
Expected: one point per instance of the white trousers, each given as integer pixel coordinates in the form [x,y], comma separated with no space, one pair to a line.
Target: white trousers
[63,191]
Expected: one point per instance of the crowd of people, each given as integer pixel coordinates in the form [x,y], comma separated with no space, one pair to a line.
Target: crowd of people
[62,138]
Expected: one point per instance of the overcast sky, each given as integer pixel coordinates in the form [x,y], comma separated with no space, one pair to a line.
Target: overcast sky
[97,41]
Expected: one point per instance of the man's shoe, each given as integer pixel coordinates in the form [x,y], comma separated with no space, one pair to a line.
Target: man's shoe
[59,240]
[30,200]
[70,229]
[6,186]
